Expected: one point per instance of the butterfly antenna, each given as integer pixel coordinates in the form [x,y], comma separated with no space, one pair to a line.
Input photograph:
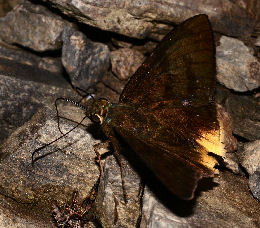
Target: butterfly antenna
[75,103]
[48,144]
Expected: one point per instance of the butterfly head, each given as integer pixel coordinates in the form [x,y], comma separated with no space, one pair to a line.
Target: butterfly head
[99,110]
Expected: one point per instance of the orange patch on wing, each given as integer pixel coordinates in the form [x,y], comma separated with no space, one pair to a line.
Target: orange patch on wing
[212,141]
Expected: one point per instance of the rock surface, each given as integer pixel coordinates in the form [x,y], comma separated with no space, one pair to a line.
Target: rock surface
[207,209]
[237,68]
[245,114]
[142,18]
[7,5]
[110,204]
[85,61]
[59,169]
[125,62]
[30,81]
[249,156]
[20,100]
[254,184]
[26,25]
[28,60]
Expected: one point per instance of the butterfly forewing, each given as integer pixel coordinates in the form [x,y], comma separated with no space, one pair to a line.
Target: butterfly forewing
[181,68]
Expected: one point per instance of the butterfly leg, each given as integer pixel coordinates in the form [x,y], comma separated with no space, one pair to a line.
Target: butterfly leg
[116,146]
[97,149]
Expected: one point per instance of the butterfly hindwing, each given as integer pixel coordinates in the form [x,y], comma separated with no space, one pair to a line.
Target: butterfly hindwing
[179,175]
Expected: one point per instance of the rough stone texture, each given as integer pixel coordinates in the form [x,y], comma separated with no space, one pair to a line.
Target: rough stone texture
[237,68]
[257,42]
[254,184]
[85,61]
[245,113]
[111,207]
[7,53]
[137,18]
[227,204]
[30,192]
[32,26]
[125,62]
[62,167]
[106,92]
[15,215]
[21,98]
[229,140]
[114,83]
[121,43]
[146,48]
[7,5]
[232,162]
[249,156]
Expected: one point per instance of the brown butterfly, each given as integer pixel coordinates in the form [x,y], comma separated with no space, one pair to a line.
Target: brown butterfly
[166,112]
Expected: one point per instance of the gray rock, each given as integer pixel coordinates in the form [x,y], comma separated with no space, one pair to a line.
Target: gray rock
[257,42]
[85,61]
[156,215]
[125,62]
[111,81]
[229,140]
[110,204]
[32,26]
[63,167]
[29,60]
[232,162]
[142,18]
[227,204]
[249,156]
[21,98]
[254,184]
[14,215]
[106,92]
[245,114]
[121,43]
[7,5]
[237,68]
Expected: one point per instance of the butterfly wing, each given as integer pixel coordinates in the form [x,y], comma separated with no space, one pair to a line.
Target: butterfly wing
[180,69]
[165,111]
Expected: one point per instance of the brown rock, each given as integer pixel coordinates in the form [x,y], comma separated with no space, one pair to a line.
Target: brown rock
[245,114]
[237,68]
[249,156]
[32,26]
[84,60]
[146,19]
[111,207]
[228,204]
[125,62]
